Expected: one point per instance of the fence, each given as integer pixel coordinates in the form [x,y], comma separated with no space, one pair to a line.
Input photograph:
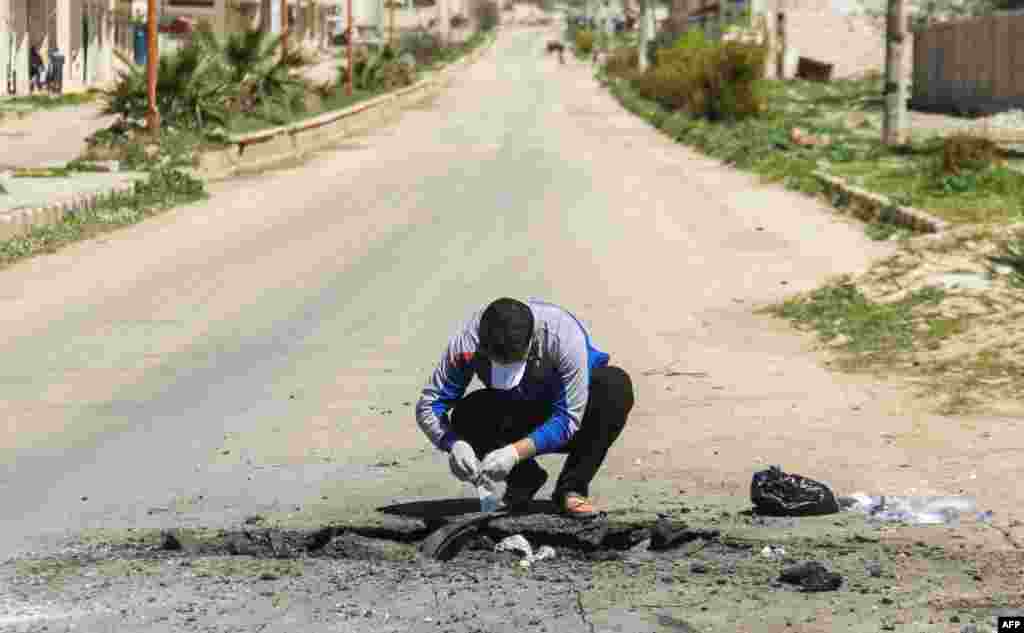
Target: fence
[970,65]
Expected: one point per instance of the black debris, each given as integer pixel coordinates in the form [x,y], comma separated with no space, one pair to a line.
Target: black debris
[668,534]
[776,493]
[811,576]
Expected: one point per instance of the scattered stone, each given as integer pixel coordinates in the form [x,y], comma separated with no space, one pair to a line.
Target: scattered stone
[811,576]
[176,540]
[253,520]
[874,569]
[640,547]
[242,545]
[698,568]
[515,543]
[668,534]
[268,576]
[543,553]
[955,619]
[773,552]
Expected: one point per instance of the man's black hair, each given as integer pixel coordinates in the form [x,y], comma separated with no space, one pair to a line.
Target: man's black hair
[506,327]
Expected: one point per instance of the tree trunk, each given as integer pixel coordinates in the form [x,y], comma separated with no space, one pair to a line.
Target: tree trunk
[645,34]
[444,21]
[894,123]
[265,15]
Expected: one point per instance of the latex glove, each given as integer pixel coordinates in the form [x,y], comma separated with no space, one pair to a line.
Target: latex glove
[497,464]
[463,462]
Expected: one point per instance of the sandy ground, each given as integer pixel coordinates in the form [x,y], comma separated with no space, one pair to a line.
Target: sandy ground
[261,353]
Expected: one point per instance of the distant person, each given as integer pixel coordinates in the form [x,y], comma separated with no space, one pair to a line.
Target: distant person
[36,69]
[547,390]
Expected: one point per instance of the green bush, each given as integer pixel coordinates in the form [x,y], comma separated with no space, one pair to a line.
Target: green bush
[487,14]
[677,125]
[382,71]
[622,62]
[718,81]
[963,152]
[584,41]
[423,45]
[191,91]
[253,66]
[203,85]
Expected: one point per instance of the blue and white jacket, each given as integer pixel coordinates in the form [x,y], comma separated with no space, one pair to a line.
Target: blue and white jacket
[559,365]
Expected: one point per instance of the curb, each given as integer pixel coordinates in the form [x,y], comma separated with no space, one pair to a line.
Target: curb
[19,222]
[870,207]
[274,146]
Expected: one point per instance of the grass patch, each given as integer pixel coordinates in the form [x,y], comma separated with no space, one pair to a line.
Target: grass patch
[991,195]
[53,571]
[49,102]
[162,189]
[246,567]
[127,568]
[871,332]
[847,112]
[967,382]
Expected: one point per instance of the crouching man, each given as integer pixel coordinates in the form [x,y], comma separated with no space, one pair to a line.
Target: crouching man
[547,390]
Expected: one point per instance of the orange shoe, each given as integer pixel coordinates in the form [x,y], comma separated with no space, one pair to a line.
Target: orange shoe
[577,506]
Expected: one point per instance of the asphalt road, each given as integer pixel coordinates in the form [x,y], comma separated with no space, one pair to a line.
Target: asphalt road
[261,352]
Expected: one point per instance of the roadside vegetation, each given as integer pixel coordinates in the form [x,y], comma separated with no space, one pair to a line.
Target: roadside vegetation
[165,184]
[206,92]
[45,101]
[942,313]
[214,88]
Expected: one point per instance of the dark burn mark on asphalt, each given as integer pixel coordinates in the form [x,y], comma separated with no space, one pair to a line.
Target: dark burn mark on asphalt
[590,540]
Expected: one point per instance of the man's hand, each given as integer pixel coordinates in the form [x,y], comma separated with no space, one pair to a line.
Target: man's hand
[463,462]
[497,464]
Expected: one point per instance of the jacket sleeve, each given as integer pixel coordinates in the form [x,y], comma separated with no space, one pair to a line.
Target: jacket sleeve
[571,398]
[446,386]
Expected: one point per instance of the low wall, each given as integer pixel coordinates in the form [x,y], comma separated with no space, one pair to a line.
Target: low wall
[266,148]
[872,207]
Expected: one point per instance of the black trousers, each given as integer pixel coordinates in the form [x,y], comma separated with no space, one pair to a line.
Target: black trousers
[489,419]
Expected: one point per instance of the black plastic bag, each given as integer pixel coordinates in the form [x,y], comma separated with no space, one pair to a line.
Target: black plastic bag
[775,493]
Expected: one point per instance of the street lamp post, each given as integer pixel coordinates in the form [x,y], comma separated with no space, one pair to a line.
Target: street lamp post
[153,116]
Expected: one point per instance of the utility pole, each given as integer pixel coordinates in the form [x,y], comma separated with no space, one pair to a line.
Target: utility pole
[284,29]
[391,34]
[894,122]
[348,40]
[152,61]
[644,23]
